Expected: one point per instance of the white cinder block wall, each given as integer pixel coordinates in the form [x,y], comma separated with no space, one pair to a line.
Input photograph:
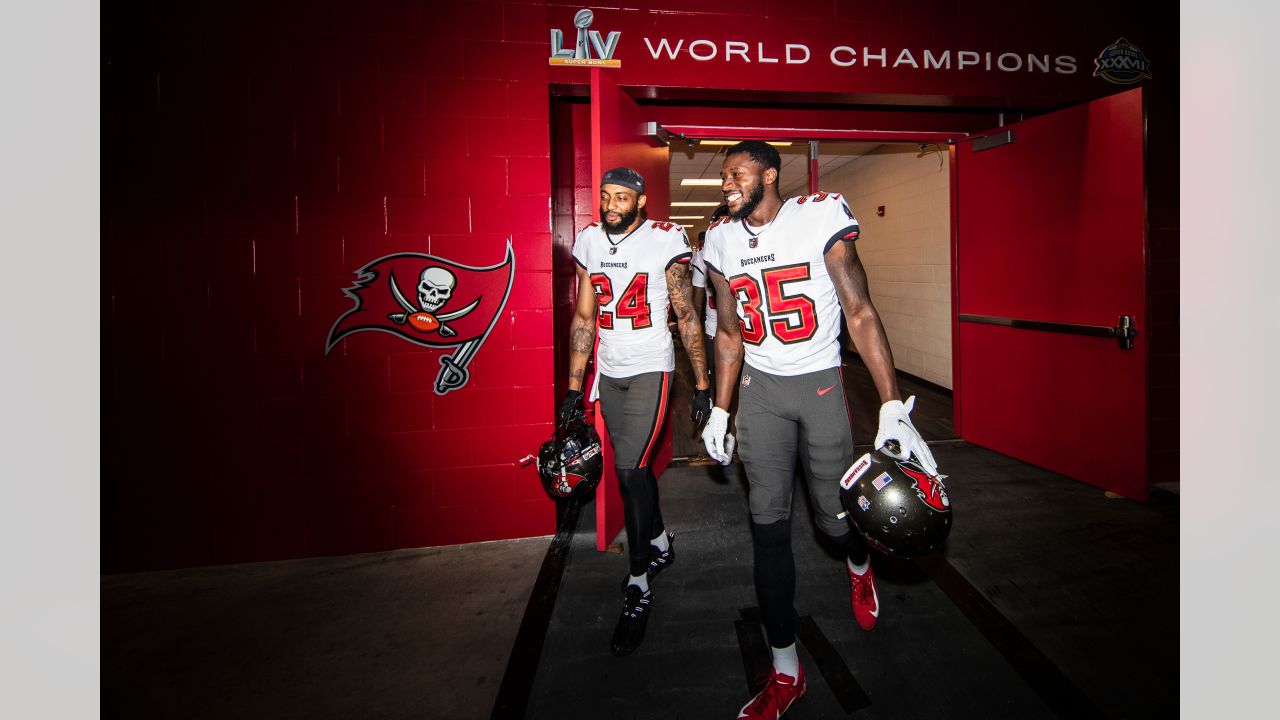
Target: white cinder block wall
[907,252]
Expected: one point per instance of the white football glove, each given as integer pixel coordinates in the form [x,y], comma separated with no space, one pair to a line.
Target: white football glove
[719,445]
[896,428]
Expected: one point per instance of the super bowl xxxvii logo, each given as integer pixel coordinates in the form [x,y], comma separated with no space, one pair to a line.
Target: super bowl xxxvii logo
[1122,63]
[589,48]
[452,306]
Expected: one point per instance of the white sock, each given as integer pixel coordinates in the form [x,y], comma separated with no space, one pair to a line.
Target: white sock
[640,581]
[859,569]
[661,542]
[786,661]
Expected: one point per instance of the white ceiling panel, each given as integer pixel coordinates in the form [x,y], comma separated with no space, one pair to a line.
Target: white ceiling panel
[704,161]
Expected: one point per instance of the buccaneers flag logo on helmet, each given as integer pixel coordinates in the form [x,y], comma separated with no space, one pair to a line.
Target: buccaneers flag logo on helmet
[429,301]
[928,488]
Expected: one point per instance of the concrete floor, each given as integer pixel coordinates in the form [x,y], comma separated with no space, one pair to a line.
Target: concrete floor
[1050,600]
[410,633]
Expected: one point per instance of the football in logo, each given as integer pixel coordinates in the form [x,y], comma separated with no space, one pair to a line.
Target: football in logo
[432,302]
[590,47]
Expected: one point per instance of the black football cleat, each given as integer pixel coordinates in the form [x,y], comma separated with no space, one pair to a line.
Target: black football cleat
[659,561]
[629,632]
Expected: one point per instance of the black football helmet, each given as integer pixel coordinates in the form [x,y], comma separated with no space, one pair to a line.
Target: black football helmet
[571,463]
[896,505]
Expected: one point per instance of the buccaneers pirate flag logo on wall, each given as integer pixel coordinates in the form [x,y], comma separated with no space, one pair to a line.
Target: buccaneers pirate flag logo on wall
[429,301]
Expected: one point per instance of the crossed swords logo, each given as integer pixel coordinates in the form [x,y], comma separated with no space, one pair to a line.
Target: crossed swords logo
[425,320]
[434,290]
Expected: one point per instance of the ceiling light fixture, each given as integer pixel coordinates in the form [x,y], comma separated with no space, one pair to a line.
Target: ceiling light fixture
[700,182]
[735,142]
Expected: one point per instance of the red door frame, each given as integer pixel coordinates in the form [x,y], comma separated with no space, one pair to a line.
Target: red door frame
[805,134]
[956,416]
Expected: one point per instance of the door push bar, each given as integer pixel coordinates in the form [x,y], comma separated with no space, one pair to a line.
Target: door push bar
[1124,331]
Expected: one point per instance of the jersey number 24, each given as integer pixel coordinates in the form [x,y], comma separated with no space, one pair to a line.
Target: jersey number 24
[634,303]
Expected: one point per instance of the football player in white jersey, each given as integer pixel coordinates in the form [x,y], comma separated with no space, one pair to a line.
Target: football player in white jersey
[629,268]
[702,300]
[784,273]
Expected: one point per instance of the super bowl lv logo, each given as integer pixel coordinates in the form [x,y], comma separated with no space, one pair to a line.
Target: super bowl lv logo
[589,48]
[452,306]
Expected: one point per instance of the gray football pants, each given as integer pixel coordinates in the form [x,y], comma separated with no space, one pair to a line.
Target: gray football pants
[781,418]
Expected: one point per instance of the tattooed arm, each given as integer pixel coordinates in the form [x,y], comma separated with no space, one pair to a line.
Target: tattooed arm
[728,339]
[582,330]
[680,292]
[865,329]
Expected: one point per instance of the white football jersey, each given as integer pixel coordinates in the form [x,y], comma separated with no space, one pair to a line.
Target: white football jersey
[787,304]
[629,273]
[699,266]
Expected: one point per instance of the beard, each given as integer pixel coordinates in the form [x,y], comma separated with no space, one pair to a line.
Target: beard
[623,223]
[748,207]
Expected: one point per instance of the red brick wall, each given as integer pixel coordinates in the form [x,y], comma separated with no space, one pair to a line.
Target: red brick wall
[254,157]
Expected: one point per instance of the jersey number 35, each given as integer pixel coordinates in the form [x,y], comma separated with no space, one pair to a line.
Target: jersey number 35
[791,318]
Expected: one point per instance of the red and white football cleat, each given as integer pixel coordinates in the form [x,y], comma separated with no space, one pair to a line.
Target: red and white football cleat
[866,602]
[776,697]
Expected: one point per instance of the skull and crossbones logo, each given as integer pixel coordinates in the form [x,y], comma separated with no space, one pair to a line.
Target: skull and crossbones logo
[435,288]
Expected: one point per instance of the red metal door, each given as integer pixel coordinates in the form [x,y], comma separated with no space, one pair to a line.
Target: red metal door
[1051,228]
[618,138]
